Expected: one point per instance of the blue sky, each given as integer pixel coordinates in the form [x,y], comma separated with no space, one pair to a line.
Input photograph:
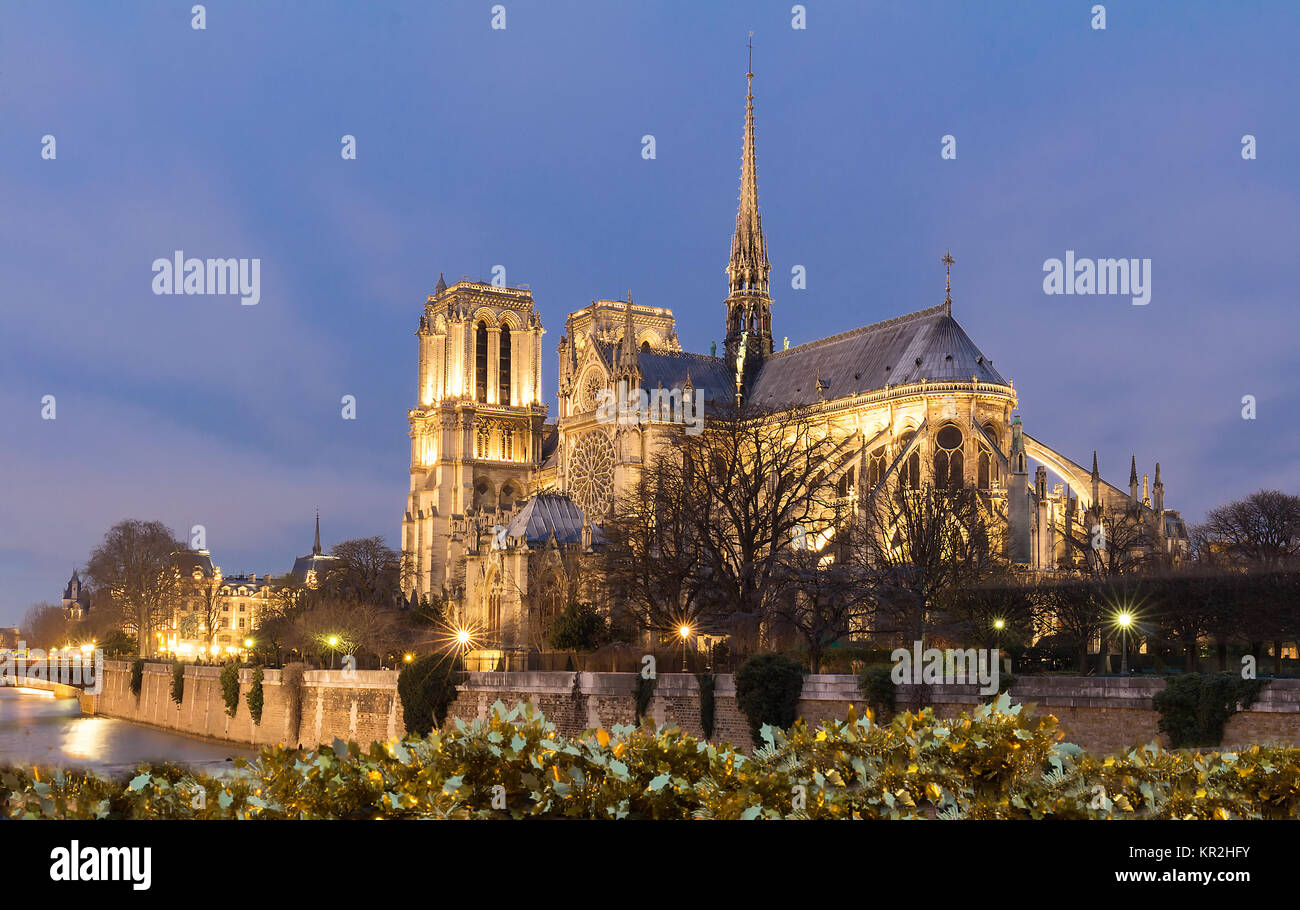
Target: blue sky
[521,147]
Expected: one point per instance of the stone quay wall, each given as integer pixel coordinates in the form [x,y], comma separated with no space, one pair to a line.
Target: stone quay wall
[1100,714]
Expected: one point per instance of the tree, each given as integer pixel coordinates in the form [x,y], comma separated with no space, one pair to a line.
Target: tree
[580,628]
[701,539]
[46,626]
[825,596]
[368,571]
[1124,545]
[207,593]
[133,567]
[923,543]
[1263,529]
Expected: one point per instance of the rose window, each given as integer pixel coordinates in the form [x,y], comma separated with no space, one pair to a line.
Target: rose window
[591,474]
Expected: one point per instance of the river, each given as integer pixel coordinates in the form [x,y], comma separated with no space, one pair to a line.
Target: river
[38,729]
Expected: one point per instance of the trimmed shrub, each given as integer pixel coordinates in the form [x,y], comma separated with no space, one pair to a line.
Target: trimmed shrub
[137,676]
[178,683]
[1195,707]
[708,682]
[645,690]
[291,686]
[427,687]
[230,687]
[767,690]
[255,697]
[877,686]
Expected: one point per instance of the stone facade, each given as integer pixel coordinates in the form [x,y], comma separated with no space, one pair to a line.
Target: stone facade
[1101,715]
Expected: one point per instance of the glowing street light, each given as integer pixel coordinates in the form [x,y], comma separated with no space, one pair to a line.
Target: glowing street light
[1124,620]
[684,632]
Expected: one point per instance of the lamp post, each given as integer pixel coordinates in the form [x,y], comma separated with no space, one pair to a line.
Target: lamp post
[333,643]
[684,631]
[1124,620]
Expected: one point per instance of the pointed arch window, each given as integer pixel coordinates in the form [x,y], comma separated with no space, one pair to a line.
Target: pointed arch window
[911,468]
[480,361]
[503,367]
[948,465]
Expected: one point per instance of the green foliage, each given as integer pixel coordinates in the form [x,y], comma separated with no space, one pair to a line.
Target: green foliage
[427,687]
[178,682]
[291,687]
[708,682]
[255,697]
[999,762]
[118,644]
[877,686]
[767,690]
[645,690]
[1195,707]
[137,676]
[580,627]
[230,687]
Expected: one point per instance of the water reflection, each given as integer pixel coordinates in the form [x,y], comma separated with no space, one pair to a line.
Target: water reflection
[37,728]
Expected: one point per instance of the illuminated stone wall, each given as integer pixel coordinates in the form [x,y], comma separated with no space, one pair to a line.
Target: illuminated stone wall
[1099,714]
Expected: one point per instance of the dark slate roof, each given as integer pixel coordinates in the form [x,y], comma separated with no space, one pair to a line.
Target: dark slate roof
[303,564]
[550,444]
[549,514]
[187,561]
[856,361]
[710,375]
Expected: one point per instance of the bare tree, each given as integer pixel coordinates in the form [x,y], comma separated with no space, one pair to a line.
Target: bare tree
[133,567]
[1263,529]
[1116,541]
[368,571]
[47,626]
[825,596]
[925,542]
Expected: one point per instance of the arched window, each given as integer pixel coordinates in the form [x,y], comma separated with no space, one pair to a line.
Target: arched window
[948,458]
[645,346]
[494,612]
[911,468]
[508,444]
[845,484]
[503,368]
[482,442]
[480,361]
[984,470]
[876,468]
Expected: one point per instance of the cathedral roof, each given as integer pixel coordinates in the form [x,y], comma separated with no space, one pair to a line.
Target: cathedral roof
[709,375]
[548,514]
[927,344]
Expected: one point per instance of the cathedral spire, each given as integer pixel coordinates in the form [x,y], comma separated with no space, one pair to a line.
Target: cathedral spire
[315,548]
[749,308]
[948,261]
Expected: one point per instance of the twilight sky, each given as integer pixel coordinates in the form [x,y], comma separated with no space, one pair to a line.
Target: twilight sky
[522,147]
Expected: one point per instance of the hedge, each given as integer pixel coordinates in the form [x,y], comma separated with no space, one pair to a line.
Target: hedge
[1000,762]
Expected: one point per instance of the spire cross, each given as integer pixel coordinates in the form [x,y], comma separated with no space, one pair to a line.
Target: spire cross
[948,261]
[750,71]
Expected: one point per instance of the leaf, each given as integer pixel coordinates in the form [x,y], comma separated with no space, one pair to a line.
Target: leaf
[603,738]
[751,813]
[139,782]
[340,748]
[658,783]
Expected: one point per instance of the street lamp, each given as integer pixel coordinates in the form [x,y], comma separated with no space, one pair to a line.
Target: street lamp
[1124,620]
[333,643]
[684,631]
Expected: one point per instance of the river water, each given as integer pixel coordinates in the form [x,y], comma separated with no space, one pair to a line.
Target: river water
[39,729]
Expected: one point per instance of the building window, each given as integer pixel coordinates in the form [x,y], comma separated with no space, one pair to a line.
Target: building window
[503,368]
[481,361]
[483,442]
[494,613]
[984,470]
[876,468]
[508,444]
[911,478]
[948,458]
